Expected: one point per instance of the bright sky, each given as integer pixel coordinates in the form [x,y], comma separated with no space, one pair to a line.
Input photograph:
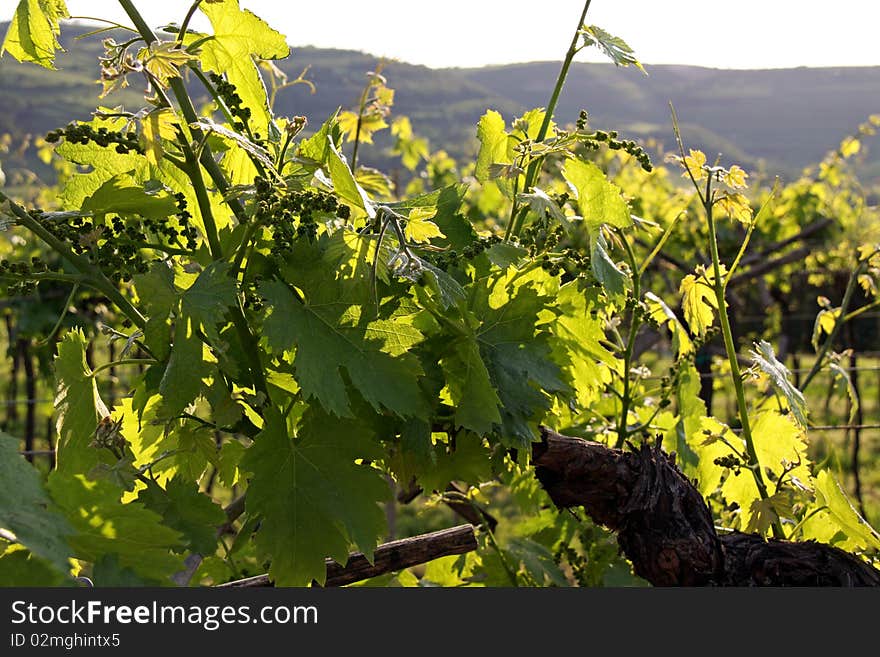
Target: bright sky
[731,34]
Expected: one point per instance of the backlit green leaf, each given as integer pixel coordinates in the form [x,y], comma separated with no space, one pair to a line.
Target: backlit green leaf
[239,37]
[315,501]
[32,35]
[27,511]
[104,526]
[78,405]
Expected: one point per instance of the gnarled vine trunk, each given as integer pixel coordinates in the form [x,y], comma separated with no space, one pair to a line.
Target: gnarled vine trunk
[665,528]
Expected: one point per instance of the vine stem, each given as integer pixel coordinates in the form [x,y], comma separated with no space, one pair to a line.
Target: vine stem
[92,275]
[247,338]
[730,348]
[634,325]
[514,226]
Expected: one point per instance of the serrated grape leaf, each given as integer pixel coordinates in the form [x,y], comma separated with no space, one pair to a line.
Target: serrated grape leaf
[331,333]
[457,231]
[764,358]
[447,289]
[841,377]
[156,291]
[207,300]
[579,330]
[328,339]
[182,381]
[470,387]
[374,182]
[420,228]
[615,48]
[315,501]
[779,444]
[470,461]
[239,37]
[502,365]
[493,144]
[540,203]
[606,271]
[698,303]
[184,508]
[78,405]
[416,454]
[104,526]
[361,128]
[32,35]
[599,201]
[108,572]
[537,560]
[839,516]
[27,511]
[228,471]
[157,125]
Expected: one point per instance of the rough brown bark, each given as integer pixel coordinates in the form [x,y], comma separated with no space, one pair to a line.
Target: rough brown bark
[389,557]
[665,528]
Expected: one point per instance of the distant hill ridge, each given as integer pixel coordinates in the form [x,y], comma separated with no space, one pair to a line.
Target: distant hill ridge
[781,119]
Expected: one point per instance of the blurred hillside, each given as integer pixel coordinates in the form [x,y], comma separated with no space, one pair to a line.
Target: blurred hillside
[776,120]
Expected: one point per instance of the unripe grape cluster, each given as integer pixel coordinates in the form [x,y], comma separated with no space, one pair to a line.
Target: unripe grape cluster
[82,133]
[115,246]
[599,137]
[293,215]
[226,90]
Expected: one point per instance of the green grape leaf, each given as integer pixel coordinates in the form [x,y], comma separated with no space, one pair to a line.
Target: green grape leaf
[315,501]
[501,365]
[420,228]
[78,405]
[541,203]
[445,203]
[779,444]
[185,509]
[599,201]
[664,315]
[615,48]
[156,291]
[104,525]
[330,335]
[493,144]
[606,271]
[470,387]
[172,449]
[470,461]
[182,380]
[764,358]
[698,303]
[839,515]
[317,147]
[344,183]
[32,35]
[580,330]
[27,511]
[239,37]
[230,458]
[123,195]
[207,300]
